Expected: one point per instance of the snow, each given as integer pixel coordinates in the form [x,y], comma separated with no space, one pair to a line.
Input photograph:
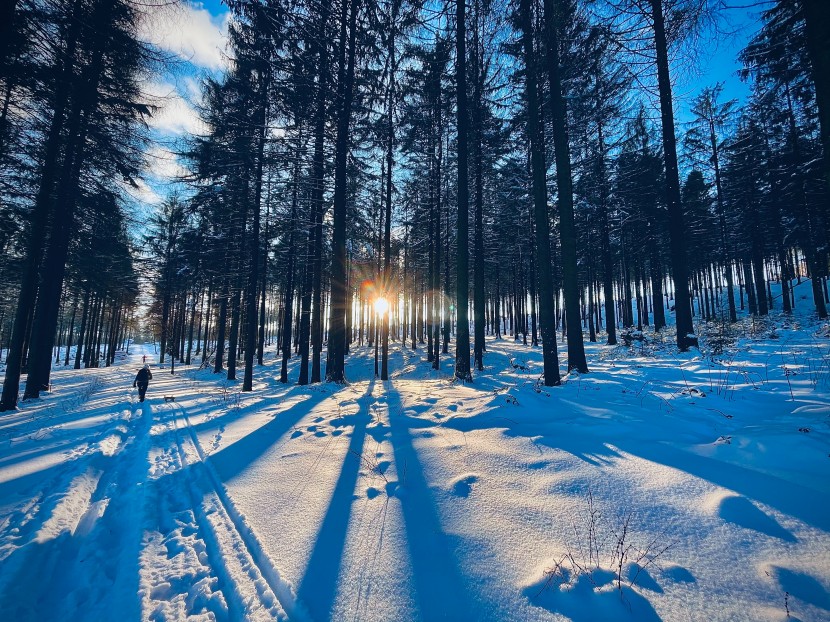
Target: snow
[659,486]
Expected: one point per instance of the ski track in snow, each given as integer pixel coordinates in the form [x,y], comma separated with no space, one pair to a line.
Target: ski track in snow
[205,532]
[421,498]
[138,493]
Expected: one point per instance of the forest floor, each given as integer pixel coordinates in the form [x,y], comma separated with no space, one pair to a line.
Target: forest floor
[659,486]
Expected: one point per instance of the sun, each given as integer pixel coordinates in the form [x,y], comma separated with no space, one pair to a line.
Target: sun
[381,306]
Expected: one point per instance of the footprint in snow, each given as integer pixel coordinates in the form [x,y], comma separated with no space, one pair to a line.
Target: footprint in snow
[464,486]
[643,578]
[392,489]
[678,574]
[543,464]
[383,465]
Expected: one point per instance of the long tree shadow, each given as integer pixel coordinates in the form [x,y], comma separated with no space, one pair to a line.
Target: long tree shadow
[49,463]
[25,485]
[98,541]
[261,408]
[806,504]
[235,458]
[318,586]
[222,408]
[57,433]
[442,593]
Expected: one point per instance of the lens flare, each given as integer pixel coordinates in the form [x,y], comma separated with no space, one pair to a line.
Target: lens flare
[381,306]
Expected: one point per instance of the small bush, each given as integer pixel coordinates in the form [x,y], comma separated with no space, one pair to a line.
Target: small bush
[602,549]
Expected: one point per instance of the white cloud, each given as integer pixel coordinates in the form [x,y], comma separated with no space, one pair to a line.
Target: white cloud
[143,194]
[174,115]
[193,88]
[163,166]
[190,32]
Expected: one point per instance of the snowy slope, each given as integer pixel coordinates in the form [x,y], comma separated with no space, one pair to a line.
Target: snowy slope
[661,486]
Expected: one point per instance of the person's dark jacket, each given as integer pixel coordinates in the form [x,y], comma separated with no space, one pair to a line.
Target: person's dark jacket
[143,376]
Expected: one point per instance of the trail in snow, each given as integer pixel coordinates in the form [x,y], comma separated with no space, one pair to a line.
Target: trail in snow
[132,522]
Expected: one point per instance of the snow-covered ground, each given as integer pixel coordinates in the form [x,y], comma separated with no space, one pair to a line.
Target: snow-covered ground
[660,486]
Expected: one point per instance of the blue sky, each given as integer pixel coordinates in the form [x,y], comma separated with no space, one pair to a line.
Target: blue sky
[717,61]
[194,36]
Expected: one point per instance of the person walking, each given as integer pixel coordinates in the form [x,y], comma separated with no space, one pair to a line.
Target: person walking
[142,381]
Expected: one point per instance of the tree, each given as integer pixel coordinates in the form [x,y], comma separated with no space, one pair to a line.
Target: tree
[817,19]
[547,319]
[711,117]
[598,104]
[677,229]
[639,177]
[335,369]
[564,187]
[462,337]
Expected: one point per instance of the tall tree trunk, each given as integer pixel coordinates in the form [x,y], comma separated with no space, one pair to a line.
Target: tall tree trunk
[592,331]
[445,347]
[760,279]
[434,285]
[336,367]
[71,333]
[750,286]
[783,255]
[317,297]
[253,268]
[462,331]
[818,46]
[313,245]
[167,285]
[89,341]
[233,336]
[191,329]
[730,284]
[387,230]
[433,248]
[655,265]
[263,293]
[82,329]
[608,279]
[677,229]
[287,318]
[53,269]
[221,327]
[534,337]
[547,317]
[439,302]
[807,216]
[204,323]
[478,269]
[564,182]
